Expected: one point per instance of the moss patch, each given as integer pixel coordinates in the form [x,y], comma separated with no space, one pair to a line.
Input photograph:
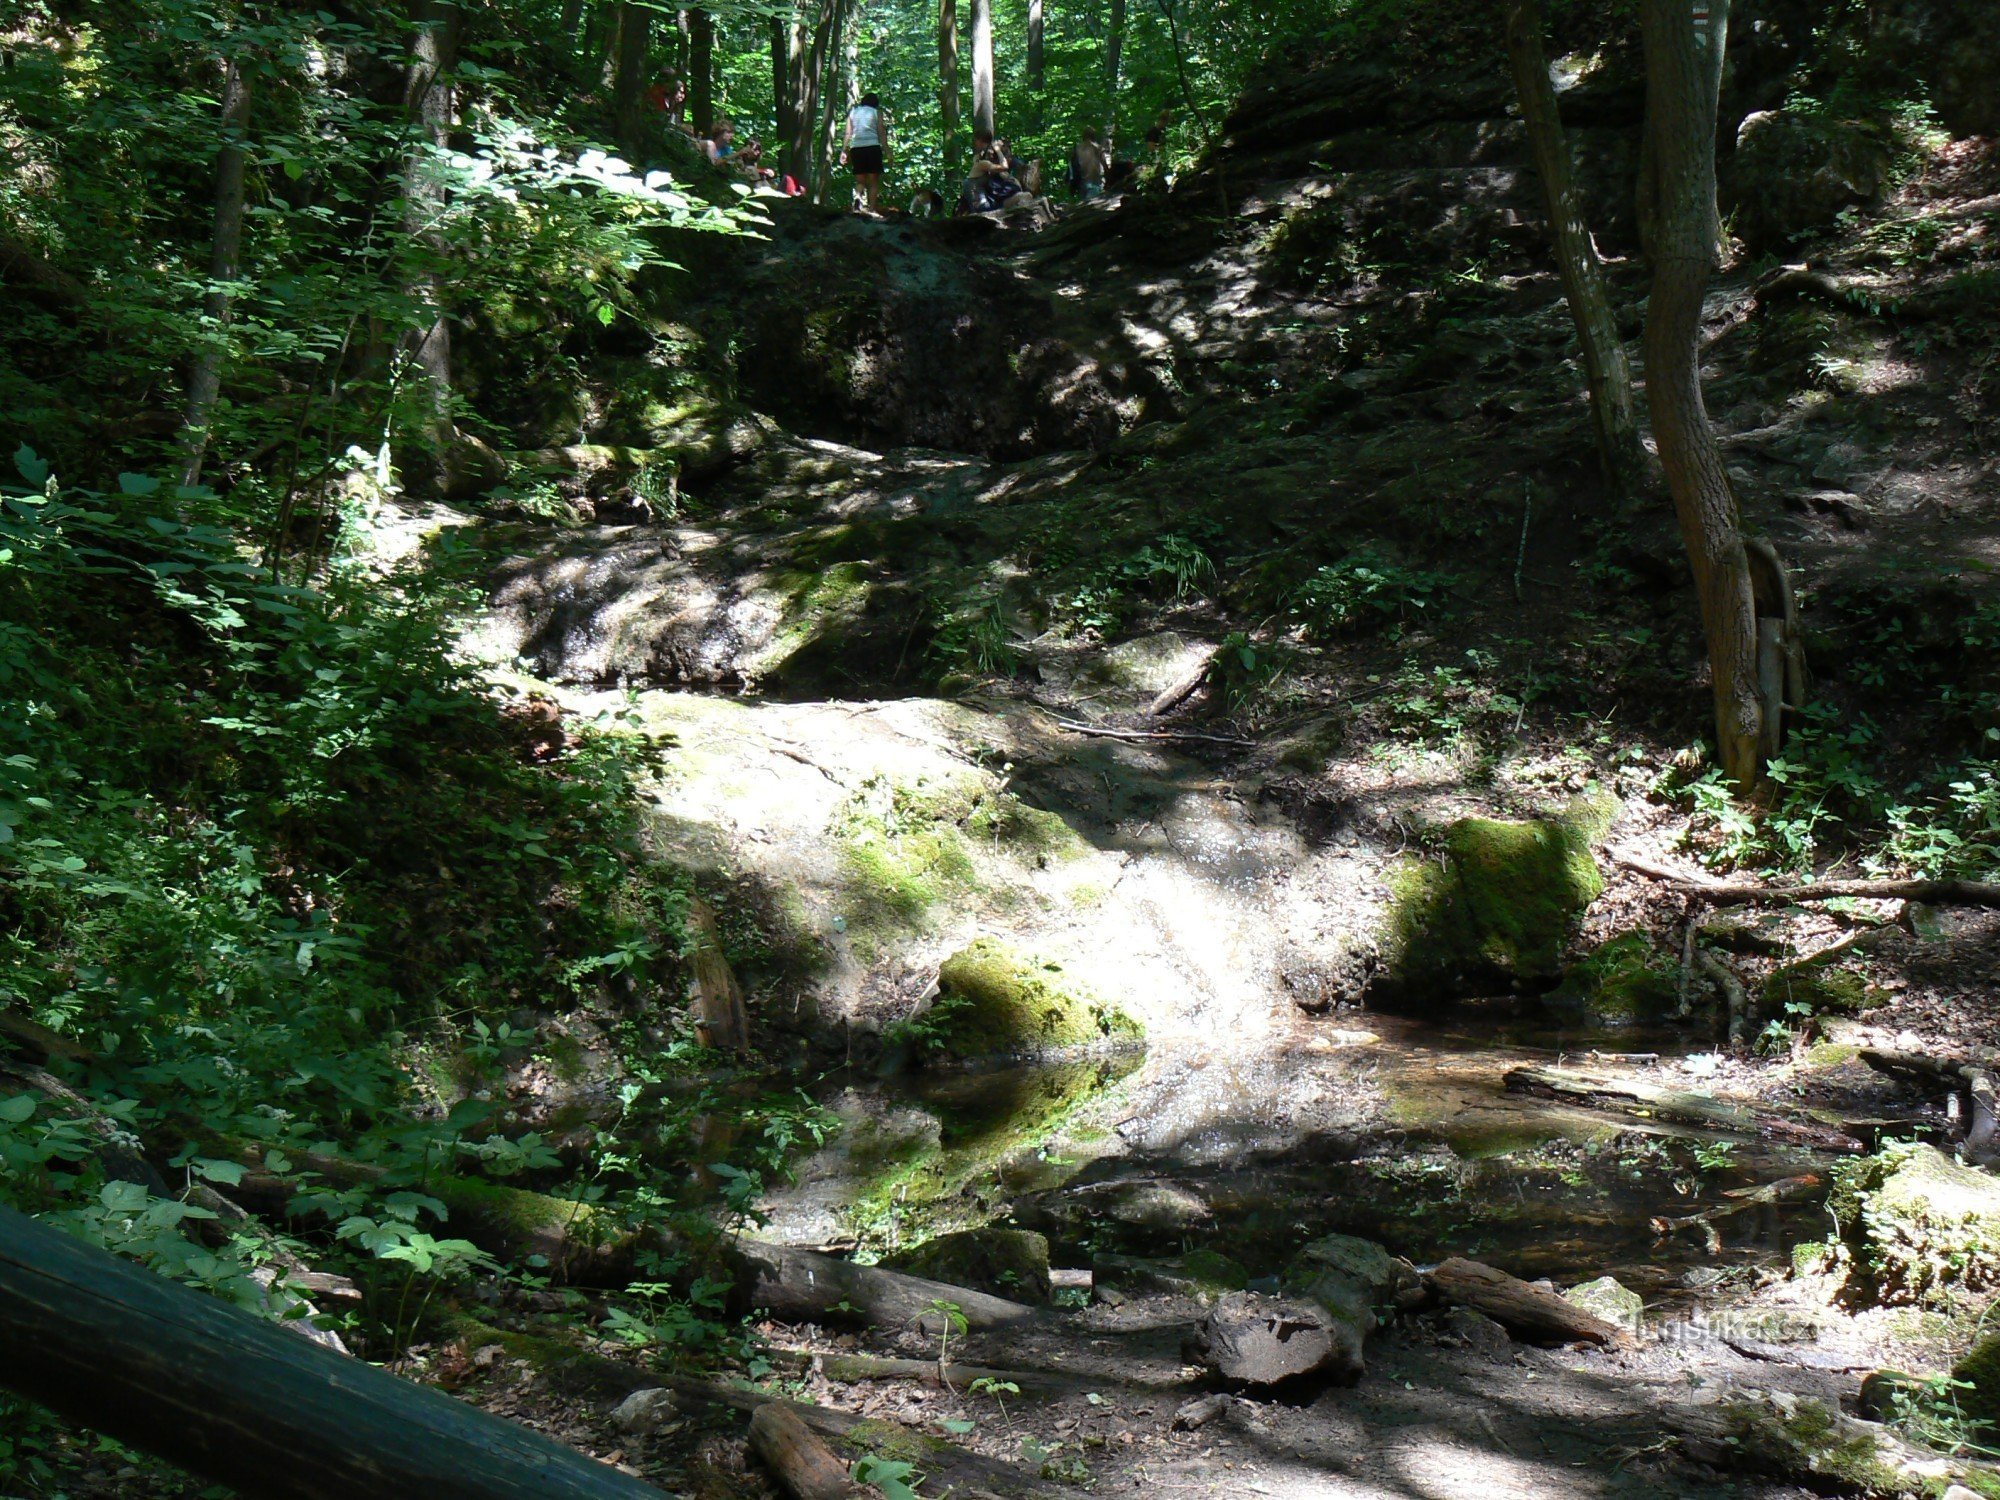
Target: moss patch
[1624,982]
[995,1001]
[1500,905]
[1817,990]
[1809,1441]
[1981,1370]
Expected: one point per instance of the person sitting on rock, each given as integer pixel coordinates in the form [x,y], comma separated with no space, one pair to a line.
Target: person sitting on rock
[720,142]
[992,181]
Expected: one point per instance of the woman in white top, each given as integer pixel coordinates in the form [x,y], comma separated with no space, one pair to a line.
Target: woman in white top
[865,149]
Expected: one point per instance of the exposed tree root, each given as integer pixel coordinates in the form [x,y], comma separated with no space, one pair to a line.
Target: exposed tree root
[1926,892]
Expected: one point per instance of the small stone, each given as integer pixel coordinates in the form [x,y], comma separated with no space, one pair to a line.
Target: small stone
[645,1411]
[1610,1300]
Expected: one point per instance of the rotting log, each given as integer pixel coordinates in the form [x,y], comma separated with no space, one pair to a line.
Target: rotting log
[246,1403]
[1650,1101]
[1519,1306]
[804,1467]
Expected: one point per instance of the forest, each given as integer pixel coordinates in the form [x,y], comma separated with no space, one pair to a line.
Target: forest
[1000,748]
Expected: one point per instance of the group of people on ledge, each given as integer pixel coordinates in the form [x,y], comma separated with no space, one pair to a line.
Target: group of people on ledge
[998,180]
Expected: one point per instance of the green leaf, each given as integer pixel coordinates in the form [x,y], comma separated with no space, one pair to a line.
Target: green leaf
[137,484]
[17,1110]
[32,466]
[228,1173]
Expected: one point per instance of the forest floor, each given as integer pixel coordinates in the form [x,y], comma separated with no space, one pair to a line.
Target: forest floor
[1170,714]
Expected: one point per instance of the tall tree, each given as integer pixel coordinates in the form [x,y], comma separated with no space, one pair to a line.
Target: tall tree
[948,83]
[1607,371]
[428,99]
[224,258]
[628,87]
[1114,58]
[982,65]
[1682,80]
[701,68]
[1170,13]
[1037,63]
[781,81]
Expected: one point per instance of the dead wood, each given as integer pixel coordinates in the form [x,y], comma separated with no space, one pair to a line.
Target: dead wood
[1521,1308]
[804,1467]
[1925,892]
[1650,1101]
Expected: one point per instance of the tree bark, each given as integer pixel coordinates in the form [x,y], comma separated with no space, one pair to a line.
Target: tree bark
[1037,59]
[1607,372]
[429,102]
[701,68]
[1681,79]
[829,96]
[1114,58]
[948,109]
[982,65]
[803,1465]
[247,1403]
[224,259]
[628,88]
[809,79]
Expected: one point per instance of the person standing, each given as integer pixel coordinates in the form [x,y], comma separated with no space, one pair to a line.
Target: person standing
[1089,161]
[865,151]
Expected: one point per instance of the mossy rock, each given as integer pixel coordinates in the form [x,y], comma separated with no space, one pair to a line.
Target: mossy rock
[1005,1262]
[1609,1299]
[1499,907]
[1201,1274]
[1981,1371]
[1623,982]
[1810,989]
[995,1001]
[1350,1277]
[1807,1440]
[1923,1227]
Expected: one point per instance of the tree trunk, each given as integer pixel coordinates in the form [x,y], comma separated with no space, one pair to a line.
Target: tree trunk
[1114,56]
[829,96]
[948,86]
[809,81]
[1170,11]
[224,258]
[1607,372]
[428,99]
[247,1403]
[982,65]
[628,89]
[1681,79]
[701,69]
[1037,63]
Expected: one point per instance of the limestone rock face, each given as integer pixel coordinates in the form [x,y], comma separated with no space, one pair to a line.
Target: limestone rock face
[1792,173]
[1253,1340]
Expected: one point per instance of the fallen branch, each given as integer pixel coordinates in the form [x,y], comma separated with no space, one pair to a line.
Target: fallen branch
[1102,732]
[1741,1199]
[1648,1100]
[1925,892]
[1970,1080]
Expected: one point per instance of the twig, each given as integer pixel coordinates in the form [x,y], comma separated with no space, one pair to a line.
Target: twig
[1927,892]
[1521,556]
[1153,734]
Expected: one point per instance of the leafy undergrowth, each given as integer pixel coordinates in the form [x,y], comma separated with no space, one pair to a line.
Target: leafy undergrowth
[285,886]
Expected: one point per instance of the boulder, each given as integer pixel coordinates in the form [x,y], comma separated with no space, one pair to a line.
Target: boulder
[1253,1340]
[1623,982]
[1353,1281]
[994,1001]
[1980,1370]
[1497,908]
[1611,1300]
[1011,1263]
[1794,173]
[1923,1228]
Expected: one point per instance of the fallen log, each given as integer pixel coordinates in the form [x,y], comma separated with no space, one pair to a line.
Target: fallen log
[1809,1443]
[796,1285]
[949,1468]
[1650,1101]
[1784,1190]
[244,1402]
[804,1467]
[1755,892]
[851,1369]
[1518,1306]
[1969,1080]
